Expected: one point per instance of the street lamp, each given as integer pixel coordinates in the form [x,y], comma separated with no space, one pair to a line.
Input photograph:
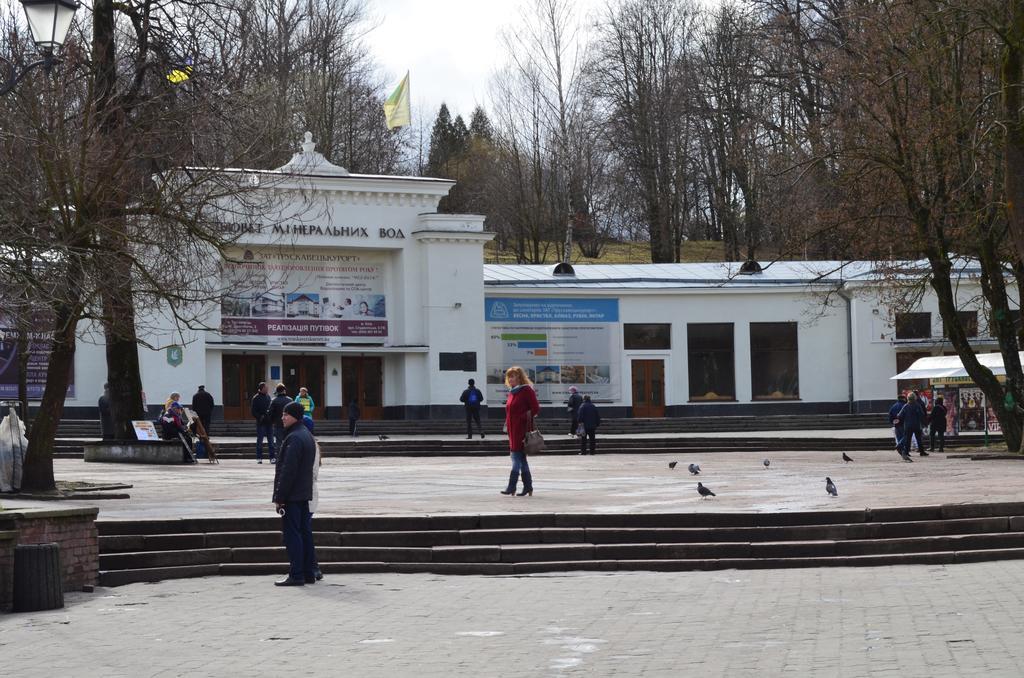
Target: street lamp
[50,21]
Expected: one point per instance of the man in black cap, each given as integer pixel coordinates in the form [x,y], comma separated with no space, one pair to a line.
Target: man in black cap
[293,490]
[277,406]
[472,398]
[202,405]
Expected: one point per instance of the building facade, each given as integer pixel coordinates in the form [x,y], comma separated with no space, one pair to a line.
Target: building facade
[357,289]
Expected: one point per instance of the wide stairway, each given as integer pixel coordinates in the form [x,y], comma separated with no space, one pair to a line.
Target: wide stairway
[524,543]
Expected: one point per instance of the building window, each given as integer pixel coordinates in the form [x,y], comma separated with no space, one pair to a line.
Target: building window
[711,362]
[647,336]
[774,372]
[969,321]
[913,325]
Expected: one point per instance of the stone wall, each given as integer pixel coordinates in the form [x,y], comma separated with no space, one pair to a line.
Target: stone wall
[74,529]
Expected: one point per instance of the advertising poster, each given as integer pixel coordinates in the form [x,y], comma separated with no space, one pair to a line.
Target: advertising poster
[38,364]
[299,297]
[971,404]
[559,342]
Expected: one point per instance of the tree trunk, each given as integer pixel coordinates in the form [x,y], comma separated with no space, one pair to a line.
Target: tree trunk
[39,456]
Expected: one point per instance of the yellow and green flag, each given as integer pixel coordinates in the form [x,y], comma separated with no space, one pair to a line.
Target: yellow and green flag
[396,107]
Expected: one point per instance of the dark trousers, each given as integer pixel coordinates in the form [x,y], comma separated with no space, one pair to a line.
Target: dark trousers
[907,435]
[352,426]
[591,435]
[519,465]
[264,431]
[297,529]
[574,422]
[473,414]
[942,439]
[206,422]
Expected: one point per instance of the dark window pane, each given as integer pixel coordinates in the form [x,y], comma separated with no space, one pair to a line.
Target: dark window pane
[913,325]
[647,336]
[457,362]
[711,361]
[774,371]
[969,320]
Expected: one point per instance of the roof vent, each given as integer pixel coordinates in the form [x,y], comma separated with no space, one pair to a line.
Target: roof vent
[750,267]
[564,268]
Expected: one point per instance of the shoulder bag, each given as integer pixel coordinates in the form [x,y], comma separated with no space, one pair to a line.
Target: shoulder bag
[534,441]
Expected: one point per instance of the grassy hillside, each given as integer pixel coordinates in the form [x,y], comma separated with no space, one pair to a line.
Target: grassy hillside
[615,253]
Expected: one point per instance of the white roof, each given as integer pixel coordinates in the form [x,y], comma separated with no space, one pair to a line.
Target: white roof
[711,274]
[936,367]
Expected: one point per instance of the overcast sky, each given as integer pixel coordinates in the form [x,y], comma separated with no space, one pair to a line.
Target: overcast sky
[450,47]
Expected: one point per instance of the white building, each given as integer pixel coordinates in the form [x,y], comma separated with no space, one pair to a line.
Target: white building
[358,289]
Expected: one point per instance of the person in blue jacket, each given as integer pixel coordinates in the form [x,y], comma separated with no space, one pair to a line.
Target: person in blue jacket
[894,412]
[590,419]
[912,417]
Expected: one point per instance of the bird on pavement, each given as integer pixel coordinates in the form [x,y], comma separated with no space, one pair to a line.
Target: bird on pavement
[672,464]
[846,458]
[694,469]
[704,492]
[767,463]
[382,437]
[830,487]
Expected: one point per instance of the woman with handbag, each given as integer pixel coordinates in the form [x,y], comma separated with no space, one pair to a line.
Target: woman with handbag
[520,409]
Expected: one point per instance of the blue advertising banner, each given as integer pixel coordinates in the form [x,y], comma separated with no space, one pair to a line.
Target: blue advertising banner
[561,343]
[550,310]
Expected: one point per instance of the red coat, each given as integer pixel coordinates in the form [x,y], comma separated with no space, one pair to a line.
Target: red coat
[521,403]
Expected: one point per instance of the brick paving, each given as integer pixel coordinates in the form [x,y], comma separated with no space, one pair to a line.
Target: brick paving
[908,621]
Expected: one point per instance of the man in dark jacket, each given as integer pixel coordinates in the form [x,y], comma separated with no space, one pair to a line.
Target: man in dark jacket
[897,429]
[472,398]
[202,405]
[590,418]
[293,490]
[264,429]
[573,404]
[911,416]
[353,417]
[106,421]
[277,406]
[938,425]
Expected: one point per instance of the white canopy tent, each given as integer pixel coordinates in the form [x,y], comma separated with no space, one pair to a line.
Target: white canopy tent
[949,366]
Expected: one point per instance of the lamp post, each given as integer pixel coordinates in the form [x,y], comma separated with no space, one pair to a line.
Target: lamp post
[50,21]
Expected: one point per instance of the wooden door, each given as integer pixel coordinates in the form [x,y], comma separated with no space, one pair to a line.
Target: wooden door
[362,379]
[308,371]
[240,374]
[648,388]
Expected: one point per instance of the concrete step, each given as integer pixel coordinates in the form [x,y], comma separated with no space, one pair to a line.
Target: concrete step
[521,543]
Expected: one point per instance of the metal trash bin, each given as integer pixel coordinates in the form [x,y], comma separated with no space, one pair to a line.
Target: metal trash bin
[38,580]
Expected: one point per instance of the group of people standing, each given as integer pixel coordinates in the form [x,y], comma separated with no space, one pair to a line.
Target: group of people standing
[268,413]
[909,416]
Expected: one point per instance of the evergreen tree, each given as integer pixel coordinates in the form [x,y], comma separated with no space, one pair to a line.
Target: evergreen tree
[442,145]
[480,125]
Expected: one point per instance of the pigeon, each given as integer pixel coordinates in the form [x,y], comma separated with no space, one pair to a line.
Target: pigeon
[846,458]
[694,469]
[830,487]
[704,492]
[382,437]
[767,463]
[672,464]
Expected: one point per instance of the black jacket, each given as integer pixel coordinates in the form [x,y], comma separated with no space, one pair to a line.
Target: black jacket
[353,411]
[464,398]
[293,476]
[277,406]
[589,416]
[574,402]
[938,417]
[202,404]
[260,407]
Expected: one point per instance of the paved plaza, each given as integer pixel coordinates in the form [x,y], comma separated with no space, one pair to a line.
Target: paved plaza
[958,620]
[615,483]
[928,621]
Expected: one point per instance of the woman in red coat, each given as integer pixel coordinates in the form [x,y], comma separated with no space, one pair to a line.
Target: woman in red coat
[520,409]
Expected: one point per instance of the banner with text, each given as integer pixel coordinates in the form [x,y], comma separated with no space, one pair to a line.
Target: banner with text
[559,342]
[38,363]
[312,297]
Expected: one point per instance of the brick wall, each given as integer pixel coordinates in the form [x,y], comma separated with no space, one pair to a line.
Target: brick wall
[74,529]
